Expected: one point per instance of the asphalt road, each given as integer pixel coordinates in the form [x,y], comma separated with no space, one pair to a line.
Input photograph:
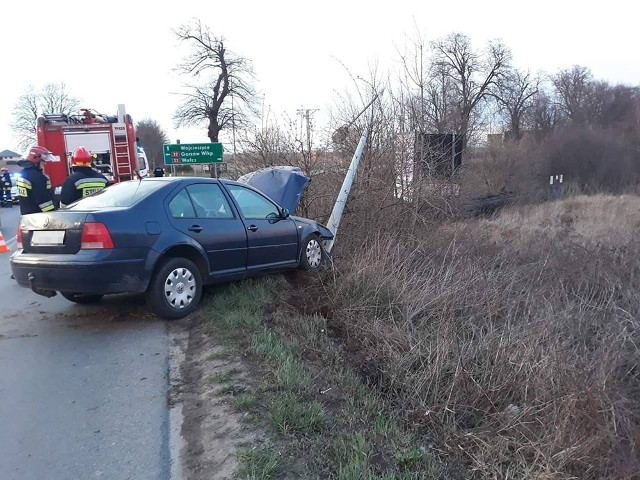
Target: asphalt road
[83,389]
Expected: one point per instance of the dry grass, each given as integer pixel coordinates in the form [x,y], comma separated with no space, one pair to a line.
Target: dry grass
[601,220]
[513,341]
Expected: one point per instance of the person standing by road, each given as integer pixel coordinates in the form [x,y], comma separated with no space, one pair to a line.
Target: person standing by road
[84,180]
[5,185]
[34,187]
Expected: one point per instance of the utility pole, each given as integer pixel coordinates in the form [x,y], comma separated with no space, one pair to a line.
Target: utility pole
[306,113]
[233,129]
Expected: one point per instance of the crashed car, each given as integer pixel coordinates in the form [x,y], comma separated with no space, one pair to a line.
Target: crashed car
[166,237]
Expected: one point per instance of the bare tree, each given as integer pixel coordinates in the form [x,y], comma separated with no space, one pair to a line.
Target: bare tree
[225,96]
[573,88]
[152,138]
[51,98]
[471,74]
[514,94]
[622,108]
[416,82]
[441,99]
[544,115]
[267,147]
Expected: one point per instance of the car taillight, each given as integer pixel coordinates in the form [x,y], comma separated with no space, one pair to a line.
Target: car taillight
[19,239]
[95,236]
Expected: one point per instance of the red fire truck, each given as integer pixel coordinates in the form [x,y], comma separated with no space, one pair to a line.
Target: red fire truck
[110,139]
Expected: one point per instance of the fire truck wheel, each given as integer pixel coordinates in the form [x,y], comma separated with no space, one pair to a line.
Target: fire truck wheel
[175,289]
[81,298]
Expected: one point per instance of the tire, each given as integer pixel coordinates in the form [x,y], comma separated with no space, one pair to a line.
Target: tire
[312,254]
[175,289]
[82,298]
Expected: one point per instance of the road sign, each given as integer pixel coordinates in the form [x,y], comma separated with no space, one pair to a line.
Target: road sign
[192,153]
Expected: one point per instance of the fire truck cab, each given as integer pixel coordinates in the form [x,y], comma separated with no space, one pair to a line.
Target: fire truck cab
[110,139]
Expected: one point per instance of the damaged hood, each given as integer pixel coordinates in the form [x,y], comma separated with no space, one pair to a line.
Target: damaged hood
[284,185]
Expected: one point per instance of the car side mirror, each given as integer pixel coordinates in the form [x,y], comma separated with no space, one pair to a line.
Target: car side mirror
[284,213]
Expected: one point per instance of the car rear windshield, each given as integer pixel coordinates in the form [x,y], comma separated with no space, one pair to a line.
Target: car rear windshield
[122,194]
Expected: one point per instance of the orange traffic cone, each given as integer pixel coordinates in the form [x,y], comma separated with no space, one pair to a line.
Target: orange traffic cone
[3,245]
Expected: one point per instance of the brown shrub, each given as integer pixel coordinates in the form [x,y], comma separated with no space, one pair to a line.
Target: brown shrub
[513,341]
[512,167]
[591,161]
[597,160]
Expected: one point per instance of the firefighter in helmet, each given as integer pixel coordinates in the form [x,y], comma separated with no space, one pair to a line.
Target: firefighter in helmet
[34,187]
[5,184]
[84,180]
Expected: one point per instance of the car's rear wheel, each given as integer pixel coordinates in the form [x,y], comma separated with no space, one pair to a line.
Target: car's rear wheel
[312,255]
[82,298]
[175,289]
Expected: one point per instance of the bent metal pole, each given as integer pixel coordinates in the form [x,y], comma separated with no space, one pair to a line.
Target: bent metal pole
[341,201]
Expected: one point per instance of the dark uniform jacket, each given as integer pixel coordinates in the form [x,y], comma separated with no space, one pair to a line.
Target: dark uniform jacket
[6,180]
[34,191]
[83,182]
[5,184]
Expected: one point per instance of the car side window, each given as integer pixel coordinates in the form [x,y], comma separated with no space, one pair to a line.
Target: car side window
[251,204]
[209,201]
[180,206]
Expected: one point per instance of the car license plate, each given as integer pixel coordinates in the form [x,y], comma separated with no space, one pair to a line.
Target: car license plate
[47,237]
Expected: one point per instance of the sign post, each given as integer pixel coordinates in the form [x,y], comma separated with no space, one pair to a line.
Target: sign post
[192,153]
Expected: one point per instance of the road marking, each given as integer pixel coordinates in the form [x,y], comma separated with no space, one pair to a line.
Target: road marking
[178,343]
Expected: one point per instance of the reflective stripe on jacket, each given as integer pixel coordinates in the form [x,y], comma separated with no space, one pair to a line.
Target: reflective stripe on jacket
[83,182]
[34,191]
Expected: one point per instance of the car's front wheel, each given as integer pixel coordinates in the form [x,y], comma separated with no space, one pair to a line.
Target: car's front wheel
[175,289]
[82,298]
[312,255]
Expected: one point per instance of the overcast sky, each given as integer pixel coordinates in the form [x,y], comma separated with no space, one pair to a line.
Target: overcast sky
[125,51]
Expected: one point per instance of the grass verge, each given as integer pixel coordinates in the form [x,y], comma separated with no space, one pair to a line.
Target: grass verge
[323,421]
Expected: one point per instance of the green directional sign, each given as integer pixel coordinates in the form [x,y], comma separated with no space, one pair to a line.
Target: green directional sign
[192,153]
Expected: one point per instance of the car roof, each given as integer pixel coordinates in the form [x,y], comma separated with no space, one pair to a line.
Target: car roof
[178,179]
[191,178]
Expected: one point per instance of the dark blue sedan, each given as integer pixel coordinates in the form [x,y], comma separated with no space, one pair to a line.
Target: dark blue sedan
[166,237]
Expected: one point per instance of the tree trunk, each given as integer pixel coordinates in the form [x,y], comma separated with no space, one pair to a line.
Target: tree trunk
[213,132]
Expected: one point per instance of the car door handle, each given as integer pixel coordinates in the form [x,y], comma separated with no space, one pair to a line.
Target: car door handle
[195,228]
[253,228]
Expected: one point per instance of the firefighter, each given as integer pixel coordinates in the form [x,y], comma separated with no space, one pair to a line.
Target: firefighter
[158,172]
[84,180]
[34,187]
[5,183]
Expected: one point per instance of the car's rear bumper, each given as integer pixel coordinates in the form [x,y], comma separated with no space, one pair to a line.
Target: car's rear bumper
[59,273]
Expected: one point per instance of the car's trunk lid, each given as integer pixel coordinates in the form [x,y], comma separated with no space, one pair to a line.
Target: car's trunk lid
[53,232]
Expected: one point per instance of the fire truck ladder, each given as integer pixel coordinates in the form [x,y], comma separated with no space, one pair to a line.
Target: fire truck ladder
[122,158]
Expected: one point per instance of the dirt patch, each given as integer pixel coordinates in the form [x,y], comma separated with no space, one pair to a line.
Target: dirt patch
[212,427]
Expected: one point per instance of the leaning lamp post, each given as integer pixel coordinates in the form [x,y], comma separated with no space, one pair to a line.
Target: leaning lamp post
[343,194]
